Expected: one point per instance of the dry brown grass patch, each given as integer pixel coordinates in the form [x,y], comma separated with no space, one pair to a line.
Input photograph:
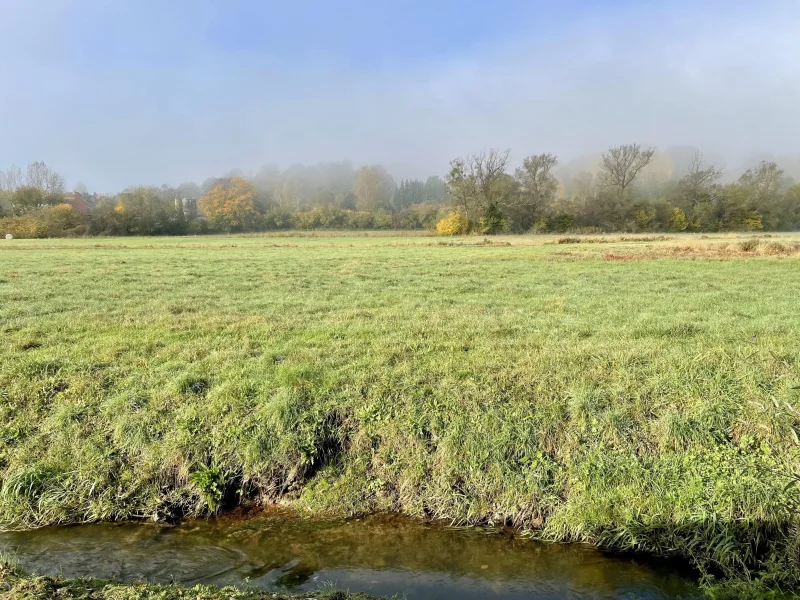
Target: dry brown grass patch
[746,249]
[625,257]
[750,248]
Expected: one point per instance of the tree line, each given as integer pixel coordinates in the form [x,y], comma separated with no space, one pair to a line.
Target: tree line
[479,194]
[487,198]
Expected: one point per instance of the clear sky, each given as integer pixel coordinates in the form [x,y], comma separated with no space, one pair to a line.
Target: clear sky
[117,92]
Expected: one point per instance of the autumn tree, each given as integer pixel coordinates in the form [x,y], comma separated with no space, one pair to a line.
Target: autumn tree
[231,205]
[211,182]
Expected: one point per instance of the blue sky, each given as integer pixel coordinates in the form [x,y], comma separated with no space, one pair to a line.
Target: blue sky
[113,93]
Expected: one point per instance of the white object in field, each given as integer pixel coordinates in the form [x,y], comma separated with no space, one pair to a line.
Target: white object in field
[9,236]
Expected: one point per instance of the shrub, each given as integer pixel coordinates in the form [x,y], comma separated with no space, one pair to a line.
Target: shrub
[677,220]
[197,227]
[279,217]
[418,216]
[753,221]
[20,227]
[382,221]
[776,248]
[749,245]
[492,221]
[210,484]
[455,223]
[59,220]
[564,222]
[540,226]
[359,219]
[642,218]
[306,220]
[326,217]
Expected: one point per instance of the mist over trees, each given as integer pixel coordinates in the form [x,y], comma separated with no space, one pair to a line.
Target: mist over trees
[627,188]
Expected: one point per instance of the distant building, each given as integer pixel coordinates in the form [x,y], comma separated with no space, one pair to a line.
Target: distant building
[188,206]
[75,200]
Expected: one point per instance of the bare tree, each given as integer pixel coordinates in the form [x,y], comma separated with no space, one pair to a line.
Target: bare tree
[623,163]
[44,179]
[699,180]
[489,168]
[11,179]
[537,184]
[764,181]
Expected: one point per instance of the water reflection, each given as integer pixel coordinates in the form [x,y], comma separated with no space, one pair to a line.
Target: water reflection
[380,555]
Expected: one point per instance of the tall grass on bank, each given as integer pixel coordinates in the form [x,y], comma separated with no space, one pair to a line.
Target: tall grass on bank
[648,405]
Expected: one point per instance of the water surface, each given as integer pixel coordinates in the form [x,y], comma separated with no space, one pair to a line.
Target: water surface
[379,555]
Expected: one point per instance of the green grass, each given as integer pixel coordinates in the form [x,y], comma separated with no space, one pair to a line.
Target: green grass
[649,405]
[15,585]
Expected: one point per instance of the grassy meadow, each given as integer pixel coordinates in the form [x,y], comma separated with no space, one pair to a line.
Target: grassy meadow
[639,393]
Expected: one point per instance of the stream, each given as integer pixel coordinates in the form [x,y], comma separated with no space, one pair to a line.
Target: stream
[380,555]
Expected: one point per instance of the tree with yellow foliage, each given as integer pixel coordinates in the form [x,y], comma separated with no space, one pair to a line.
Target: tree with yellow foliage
[231,205]
[455,223]
[677,220]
